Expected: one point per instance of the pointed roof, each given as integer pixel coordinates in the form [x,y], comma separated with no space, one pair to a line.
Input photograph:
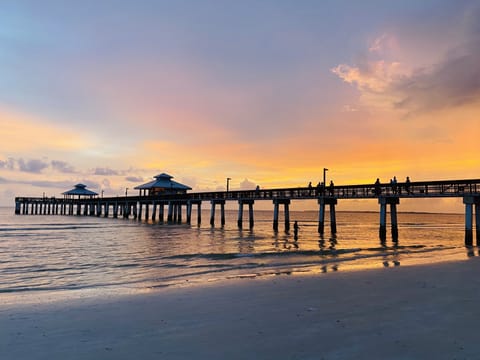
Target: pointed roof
[80,190]
[163,181]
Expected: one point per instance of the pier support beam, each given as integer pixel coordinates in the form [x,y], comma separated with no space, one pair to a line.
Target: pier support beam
[154,210]
[190,204]
[276,205]
[115,210]
[98,206]
[393,201]
[135,214]
[170,211]
[250,203]
[161,212]
[221,202]
[189,212]
[179,213]
[331,201]
[470,202]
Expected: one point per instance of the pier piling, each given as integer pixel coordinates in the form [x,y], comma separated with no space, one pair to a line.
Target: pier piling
[331,201]
[393,201]
[470,202]
[250,203]
[276,204]
[222,211]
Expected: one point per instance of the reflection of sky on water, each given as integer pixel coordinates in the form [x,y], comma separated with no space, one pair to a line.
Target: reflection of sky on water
[57,252]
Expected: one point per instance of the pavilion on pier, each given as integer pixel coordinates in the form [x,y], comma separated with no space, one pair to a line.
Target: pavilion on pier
[162,185]
[80,191]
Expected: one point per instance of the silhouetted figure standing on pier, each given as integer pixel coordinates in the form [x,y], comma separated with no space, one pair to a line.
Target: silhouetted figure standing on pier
[407,185]
[331,188]
[393,184]
[320,188]
[378,188]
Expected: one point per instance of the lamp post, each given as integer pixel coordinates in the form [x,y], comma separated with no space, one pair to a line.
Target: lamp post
[126,192]
[102,194]
[228,182]
[325,176]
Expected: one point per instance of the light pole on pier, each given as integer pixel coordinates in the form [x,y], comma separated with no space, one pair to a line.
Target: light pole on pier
[126,192]
[325,176]
[102,194]
[228,183]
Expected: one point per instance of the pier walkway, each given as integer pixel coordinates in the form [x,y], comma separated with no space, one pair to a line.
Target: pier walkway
[153,207]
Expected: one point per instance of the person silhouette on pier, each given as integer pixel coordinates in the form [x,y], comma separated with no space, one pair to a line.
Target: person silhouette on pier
[331,188]
[407,185]
[378,188]
[320,188]
[310,188]
[393,184]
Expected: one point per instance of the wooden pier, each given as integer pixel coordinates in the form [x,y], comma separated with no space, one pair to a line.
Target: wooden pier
[153,206]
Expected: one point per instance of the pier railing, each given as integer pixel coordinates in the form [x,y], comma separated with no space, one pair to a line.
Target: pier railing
[418,189]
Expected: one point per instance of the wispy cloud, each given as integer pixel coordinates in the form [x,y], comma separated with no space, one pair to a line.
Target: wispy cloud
[62,166]
[105,171]
[7,164]
[32,166]
[134,179]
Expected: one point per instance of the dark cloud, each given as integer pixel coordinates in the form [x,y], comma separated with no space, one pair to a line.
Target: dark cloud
[451,83]
[134,179]
[32,166]
[62,167]
[105,172]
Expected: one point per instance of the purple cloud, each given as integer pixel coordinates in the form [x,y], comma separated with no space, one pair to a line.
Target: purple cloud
[62,167]
[105,172]
[35,166]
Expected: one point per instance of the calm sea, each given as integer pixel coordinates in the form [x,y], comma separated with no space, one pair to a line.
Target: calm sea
[41,254]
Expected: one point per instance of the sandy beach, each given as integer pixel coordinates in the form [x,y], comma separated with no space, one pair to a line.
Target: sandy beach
[418,312]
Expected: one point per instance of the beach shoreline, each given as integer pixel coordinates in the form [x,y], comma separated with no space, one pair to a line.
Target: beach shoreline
[413,312]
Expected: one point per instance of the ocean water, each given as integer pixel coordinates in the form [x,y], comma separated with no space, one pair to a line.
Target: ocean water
[42,254]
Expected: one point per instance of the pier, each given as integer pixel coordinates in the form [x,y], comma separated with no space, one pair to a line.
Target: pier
[152,206]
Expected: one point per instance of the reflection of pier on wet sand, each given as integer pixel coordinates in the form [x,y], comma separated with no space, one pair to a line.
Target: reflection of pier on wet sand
[142,206]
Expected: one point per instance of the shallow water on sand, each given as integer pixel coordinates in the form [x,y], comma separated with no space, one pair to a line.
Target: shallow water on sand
[40,254]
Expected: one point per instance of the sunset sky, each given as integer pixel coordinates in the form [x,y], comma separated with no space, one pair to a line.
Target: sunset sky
[110,93]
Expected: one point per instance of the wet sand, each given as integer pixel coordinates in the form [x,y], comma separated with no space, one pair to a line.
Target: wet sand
[418,312]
